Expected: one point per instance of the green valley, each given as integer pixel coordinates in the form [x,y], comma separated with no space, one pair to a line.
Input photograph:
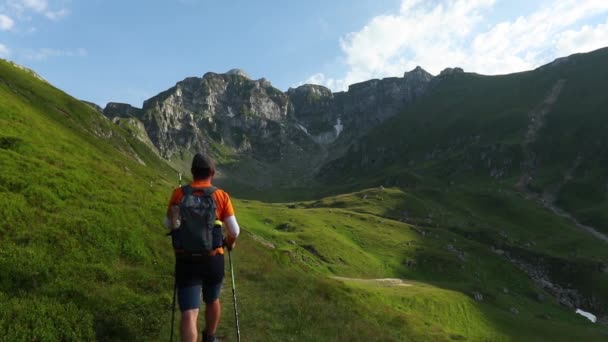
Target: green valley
[434,225]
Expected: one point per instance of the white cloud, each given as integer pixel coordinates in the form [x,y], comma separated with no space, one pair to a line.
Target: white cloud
[46,53]
[34,5]
[6,23]
[584,40]
[22,8]
[320,78]
[57,15]
[4,51]
[518,45]
[444,33]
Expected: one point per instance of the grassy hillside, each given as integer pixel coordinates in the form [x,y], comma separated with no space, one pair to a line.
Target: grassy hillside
[83,255]
[347,245]
[548,124]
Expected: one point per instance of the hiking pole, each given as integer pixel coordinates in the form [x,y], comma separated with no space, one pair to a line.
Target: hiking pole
[174,282]
[173,310]
[236,312]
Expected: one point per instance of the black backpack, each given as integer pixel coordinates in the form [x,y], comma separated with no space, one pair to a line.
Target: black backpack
[198,234]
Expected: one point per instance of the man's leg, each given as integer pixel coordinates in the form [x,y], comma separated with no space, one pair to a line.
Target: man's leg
[212,286]
[188,325]
[213,311]
[189,298]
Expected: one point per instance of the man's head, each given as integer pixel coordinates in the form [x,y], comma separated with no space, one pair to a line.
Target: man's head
[202,167]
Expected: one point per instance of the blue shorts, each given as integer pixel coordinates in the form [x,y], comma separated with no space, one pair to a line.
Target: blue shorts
[190,297]
[192,278]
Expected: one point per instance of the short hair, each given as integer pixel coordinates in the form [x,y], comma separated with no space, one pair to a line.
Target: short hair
[202,166]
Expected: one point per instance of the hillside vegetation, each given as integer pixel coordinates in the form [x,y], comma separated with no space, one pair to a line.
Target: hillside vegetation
[83,255]
[542,129]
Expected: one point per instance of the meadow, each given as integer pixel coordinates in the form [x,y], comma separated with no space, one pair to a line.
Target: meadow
[83,254]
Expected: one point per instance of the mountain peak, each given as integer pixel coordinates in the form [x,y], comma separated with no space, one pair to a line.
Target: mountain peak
[123,110]
[451,71]
[418,73]
[419,69]
[239,72]
[310,88]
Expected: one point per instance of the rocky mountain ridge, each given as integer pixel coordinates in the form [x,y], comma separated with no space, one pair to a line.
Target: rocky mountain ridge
[232,112]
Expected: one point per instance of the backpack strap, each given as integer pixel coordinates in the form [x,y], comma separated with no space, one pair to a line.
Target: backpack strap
[187,190]
[208,191]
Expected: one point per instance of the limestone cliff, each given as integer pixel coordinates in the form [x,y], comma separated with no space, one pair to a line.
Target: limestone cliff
[231,113]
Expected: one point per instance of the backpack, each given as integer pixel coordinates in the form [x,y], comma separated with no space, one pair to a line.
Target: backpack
[198,234]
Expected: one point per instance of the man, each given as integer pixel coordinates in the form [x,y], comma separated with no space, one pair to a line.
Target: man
[206,272]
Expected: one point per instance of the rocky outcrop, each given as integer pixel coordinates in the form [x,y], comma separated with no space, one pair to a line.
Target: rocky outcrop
[252,117]
[451,71]
[28,70]
[368,103]
[227,109]
[327,115]
[545,272]
[238,72]
[121,110]
[317,112]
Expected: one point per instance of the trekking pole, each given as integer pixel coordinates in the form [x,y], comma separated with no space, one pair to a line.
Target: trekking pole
[236,312]
[174,283]
[173,310]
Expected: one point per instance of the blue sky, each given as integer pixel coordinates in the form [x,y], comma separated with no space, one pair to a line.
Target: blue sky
[128,51]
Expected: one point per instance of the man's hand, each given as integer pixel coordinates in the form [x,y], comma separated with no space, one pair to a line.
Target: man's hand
[229,243]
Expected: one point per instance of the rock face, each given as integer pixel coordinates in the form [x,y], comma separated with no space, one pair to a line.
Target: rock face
[225,109]
[451,71]
[250,116]
[369,103]
[317,111]
[122,110]
[327,115]
[238,72]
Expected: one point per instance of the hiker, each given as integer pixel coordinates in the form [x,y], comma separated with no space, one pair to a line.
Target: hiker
[204,271]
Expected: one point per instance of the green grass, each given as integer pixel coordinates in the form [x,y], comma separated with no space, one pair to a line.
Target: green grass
[80,230]
[469,126]
[341,236]
[86,257]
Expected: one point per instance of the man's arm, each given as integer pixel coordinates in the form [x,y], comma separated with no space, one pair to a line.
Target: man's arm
[173,217]
[172,220]
[232,231]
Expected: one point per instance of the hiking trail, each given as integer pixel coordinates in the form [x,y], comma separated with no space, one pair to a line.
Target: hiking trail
[530,162]
[389,282]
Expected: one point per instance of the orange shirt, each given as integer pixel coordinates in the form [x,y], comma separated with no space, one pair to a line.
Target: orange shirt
[223,205]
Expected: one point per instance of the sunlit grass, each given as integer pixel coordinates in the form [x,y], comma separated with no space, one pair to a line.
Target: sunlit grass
[83,255]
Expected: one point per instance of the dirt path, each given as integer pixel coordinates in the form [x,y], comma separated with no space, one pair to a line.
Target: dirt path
[379,281]
[560,212]
[262,241]
[536,123]
[529,165]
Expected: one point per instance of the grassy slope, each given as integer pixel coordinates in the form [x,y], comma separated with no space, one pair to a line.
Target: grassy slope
[576,128]
[81,256]
[81,241]
[346,236]
[470,125]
